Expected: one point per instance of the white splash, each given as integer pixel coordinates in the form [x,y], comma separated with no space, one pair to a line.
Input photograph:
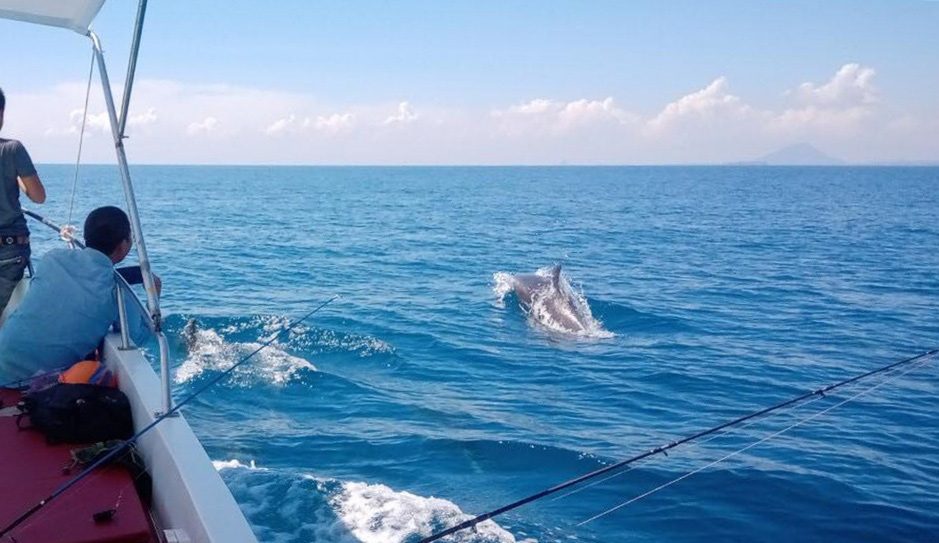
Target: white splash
[542,315]
[211,352]
[502,284]
[287,508]
[324,341]
[377,514]
[310,340]
[234,463]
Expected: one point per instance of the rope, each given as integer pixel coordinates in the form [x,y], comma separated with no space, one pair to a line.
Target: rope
[81,139]
[750,446]
[665,448]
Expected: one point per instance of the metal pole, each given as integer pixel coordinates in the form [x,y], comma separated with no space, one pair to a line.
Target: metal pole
[132,66]
[153,303]
[165,377]
[122,318]
[153,300]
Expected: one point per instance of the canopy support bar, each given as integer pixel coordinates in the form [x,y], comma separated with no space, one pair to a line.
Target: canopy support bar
[132,66]
[153,300]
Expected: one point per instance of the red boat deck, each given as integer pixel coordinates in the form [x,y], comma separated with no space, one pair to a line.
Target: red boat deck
[30,470]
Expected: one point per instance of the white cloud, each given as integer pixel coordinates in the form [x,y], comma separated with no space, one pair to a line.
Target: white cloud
[558,118]
[98,123]
[404,115]
[207,125]
[580,112]
[820,119]
[840,105]
[281,125]
[147,118]
[713,101]
[844,115]
[535,107]
[94,123]
[853,84]
[712,124]
[337,122]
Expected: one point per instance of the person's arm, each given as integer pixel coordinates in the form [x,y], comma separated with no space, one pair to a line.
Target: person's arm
[32,188]
[27,176]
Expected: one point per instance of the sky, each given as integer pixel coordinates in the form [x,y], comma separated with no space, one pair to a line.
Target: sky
[487,82]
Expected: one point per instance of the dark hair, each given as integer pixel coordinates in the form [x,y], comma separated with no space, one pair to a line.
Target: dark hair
[3,101]
[105,229]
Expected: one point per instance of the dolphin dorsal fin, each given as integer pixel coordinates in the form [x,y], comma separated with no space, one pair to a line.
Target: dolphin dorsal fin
[555,275]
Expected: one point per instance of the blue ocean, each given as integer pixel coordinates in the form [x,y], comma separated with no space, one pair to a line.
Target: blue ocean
[426,394]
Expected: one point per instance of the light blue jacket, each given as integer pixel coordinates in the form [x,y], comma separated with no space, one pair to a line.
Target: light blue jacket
[69,308]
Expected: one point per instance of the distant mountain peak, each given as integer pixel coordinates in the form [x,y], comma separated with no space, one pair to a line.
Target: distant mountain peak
[799,154]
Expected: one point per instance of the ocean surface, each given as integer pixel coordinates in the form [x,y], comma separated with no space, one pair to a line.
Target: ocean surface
[426,393]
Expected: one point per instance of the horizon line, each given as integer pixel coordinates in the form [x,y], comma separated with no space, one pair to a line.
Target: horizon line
[742,164]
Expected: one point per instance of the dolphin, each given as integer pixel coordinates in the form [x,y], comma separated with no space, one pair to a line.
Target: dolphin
[548,294]
[191,334]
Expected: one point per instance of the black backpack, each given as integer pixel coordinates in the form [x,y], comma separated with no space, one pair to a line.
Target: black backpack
[78,413]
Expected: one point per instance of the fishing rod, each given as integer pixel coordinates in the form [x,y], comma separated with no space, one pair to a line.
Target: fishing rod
[133,439]
[800,422]
[44,221]
[20,383]
[665,448]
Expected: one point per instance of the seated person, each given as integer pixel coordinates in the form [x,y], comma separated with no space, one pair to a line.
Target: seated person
[71,302]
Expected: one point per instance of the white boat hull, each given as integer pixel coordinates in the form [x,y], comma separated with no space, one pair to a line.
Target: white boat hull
[190,500]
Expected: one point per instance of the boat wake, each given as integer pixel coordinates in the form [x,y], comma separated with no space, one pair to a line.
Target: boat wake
[211,352]
[213,344]
[544,313]
[331,511]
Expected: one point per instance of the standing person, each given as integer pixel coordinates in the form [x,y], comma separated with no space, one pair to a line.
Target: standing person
[17,173]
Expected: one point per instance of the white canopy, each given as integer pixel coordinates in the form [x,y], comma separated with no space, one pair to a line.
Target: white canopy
[73,14]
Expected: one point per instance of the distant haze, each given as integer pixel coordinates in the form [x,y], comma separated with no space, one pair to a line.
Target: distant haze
[799,154]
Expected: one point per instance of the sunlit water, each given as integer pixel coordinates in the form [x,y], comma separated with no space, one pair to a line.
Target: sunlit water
[425,393]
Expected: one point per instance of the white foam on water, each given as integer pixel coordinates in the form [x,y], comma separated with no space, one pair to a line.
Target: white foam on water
[310,340]
[502,284]
[374,513]
[234,463]
[287,508]
[329,341]
[211,352]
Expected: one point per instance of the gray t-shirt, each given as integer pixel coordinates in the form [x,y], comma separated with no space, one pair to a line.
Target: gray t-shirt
[14,161]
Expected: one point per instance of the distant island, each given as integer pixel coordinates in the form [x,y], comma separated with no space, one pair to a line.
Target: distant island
[800,154]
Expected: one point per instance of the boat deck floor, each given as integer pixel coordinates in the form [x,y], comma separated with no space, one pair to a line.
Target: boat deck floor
[30,470]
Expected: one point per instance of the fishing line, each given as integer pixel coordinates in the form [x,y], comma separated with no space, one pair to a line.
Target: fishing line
[729,431]
[124,445]
[750,446]
[81,137]
[665,448]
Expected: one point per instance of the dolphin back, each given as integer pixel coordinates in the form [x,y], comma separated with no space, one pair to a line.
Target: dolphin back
[556,276]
